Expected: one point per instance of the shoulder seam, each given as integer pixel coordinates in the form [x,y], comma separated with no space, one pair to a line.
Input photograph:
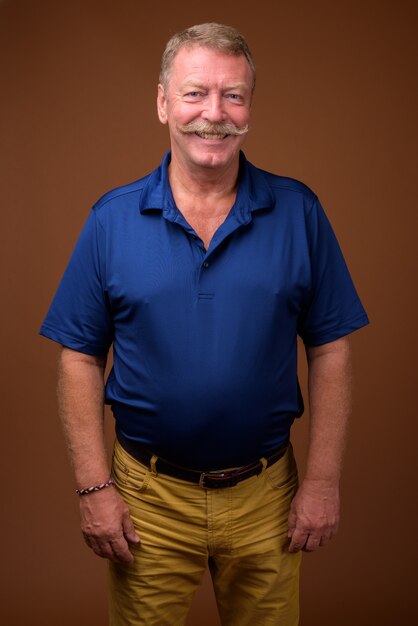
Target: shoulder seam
[305,190]
[118,192]
[290,184]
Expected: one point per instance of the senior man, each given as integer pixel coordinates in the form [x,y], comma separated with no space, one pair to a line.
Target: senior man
[202,275]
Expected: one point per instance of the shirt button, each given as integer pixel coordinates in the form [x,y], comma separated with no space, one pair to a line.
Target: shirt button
[205,264]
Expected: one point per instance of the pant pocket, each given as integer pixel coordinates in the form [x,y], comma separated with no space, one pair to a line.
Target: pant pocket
[128,472]
[284,472]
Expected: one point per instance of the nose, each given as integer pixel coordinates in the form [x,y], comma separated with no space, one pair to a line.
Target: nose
[214,111]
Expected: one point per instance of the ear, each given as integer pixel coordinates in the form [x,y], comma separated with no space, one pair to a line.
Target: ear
[162,105]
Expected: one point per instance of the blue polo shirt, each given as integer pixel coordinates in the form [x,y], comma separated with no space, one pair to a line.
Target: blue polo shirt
[204,341]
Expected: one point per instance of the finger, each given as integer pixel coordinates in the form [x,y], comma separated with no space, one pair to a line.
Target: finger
[129,529]
[291,530]
[105,549]
[113,551]
[297,540]
[326,538]
[312,543]
[101,548]
[120,551]
[291,523]
[93,544]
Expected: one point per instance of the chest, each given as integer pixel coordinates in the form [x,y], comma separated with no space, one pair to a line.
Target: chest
[205,226]
[258,264]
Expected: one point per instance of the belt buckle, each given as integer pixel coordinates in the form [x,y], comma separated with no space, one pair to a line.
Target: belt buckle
[216,480]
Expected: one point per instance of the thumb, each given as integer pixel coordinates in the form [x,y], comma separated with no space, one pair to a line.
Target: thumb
[291,523]
[129,529]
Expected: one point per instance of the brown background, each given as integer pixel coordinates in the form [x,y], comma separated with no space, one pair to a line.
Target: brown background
[335,107]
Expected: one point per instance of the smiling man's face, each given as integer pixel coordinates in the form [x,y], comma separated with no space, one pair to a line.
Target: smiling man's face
[207,89]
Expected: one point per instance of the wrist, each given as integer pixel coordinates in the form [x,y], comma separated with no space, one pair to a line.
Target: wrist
[85,491]
[323,484]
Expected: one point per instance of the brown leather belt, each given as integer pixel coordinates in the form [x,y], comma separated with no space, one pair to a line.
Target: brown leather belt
[208,480]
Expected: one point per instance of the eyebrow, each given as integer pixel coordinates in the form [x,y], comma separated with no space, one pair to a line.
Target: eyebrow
[231,87]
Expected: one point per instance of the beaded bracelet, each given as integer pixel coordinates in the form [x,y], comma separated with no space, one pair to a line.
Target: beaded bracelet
[87,490]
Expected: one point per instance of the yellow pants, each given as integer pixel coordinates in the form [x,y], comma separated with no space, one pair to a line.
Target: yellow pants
[241,532]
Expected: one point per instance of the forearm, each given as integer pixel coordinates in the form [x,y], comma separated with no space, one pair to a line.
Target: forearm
[81,408]
[314,513]
[105,521]
[329,383]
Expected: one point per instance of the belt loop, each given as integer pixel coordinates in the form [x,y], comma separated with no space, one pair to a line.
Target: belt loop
[152,463]
[263,462]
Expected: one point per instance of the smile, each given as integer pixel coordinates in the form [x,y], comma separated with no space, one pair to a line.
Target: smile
[210,136]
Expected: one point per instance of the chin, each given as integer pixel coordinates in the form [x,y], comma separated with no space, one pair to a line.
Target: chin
[213,159]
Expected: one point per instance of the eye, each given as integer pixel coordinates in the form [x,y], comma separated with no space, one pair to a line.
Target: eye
[235,97]
[194,93]
[193,96]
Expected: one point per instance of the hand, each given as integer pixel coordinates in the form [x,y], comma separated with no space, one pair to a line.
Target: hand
[107,526]
[313,517]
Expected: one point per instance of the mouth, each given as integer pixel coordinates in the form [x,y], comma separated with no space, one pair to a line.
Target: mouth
[210,135]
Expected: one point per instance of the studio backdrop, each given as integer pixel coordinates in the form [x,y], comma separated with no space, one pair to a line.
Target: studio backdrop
[335,106]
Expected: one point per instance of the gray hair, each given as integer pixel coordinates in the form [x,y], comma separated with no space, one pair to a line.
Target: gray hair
[211,35]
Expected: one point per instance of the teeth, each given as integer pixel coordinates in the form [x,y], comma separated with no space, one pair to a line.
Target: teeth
[210,136]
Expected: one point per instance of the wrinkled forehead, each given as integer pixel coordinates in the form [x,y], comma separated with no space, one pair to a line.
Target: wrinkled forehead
[192,60]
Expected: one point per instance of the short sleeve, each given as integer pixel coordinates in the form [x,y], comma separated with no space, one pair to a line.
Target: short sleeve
[333,308]
[79,316]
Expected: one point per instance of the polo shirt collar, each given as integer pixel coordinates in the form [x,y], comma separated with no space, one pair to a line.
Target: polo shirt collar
[253,194]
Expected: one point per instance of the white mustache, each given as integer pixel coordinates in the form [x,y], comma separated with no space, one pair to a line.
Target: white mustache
[216,128]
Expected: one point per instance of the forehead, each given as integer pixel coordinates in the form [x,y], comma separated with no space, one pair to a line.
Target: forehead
[206,65]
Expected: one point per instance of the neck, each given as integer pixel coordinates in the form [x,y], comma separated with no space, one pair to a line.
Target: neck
[202,182]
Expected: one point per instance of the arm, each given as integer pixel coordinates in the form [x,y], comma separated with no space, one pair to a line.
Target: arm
[105,520]
[314,513]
